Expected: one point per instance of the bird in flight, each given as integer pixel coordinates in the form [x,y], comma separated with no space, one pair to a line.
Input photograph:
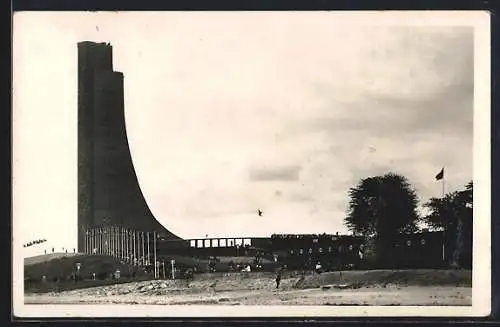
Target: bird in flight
[259,212]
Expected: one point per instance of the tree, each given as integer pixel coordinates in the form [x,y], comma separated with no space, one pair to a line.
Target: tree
[453,215]
[381,208]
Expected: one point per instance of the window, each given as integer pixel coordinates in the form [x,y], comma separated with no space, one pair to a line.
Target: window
[422,241]
[222,243]
[301,251]
[310,250]
[350,247]
[320,250]
[193,243]
[330,249]
[408,243]
[291,251]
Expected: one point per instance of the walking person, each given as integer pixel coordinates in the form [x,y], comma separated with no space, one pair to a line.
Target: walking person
[278,279]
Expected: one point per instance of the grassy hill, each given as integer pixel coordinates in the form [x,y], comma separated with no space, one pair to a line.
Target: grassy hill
[59,268]
[62,267]
[47,257]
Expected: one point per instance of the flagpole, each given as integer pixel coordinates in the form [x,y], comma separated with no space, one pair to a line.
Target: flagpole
[143,250]
[86,238]
[89,241]
[127,253]
[108,240]
[154,250]
[134,256]
[138,248]
[115,241]
[138,240]
[148,262]
[443,179]
[115,231]
[103,239]
[129,248]
[122,234]
[443,188]
[119,241]
[112,241]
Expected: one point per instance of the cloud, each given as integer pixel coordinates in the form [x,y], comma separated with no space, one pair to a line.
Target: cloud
[286,173]
[221,114]
[368,101]
[300,197]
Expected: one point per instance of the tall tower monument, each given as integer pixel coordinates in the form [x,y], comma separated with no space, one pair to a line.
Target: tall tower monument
[108,189]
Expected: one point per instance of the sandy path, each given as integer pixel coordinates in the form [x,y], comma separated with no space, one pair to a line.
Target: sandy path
[412,295]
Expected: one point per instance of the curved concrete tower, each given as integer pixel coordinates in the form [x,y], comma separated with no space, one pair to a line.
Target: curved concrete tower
[108,190]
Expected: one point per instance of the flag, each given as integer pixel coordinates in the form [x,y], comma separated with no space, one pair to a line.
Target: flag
[440,175]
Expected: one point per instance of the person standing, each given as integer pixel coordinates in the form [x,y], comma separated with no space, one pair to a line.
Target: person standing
[318,268]
[278,279]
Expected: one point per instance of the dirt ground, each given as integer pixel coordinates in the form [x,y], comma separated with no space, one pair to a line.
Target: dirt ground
[439,296]
[259,291]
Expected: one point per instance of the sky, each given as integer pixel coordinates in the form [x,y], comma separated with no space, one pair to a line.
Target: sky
[227,113]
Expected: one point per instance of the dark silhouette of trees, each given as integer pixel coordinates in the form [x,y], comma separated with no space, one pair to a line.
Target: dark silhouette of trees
[453,215]
[380,209]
